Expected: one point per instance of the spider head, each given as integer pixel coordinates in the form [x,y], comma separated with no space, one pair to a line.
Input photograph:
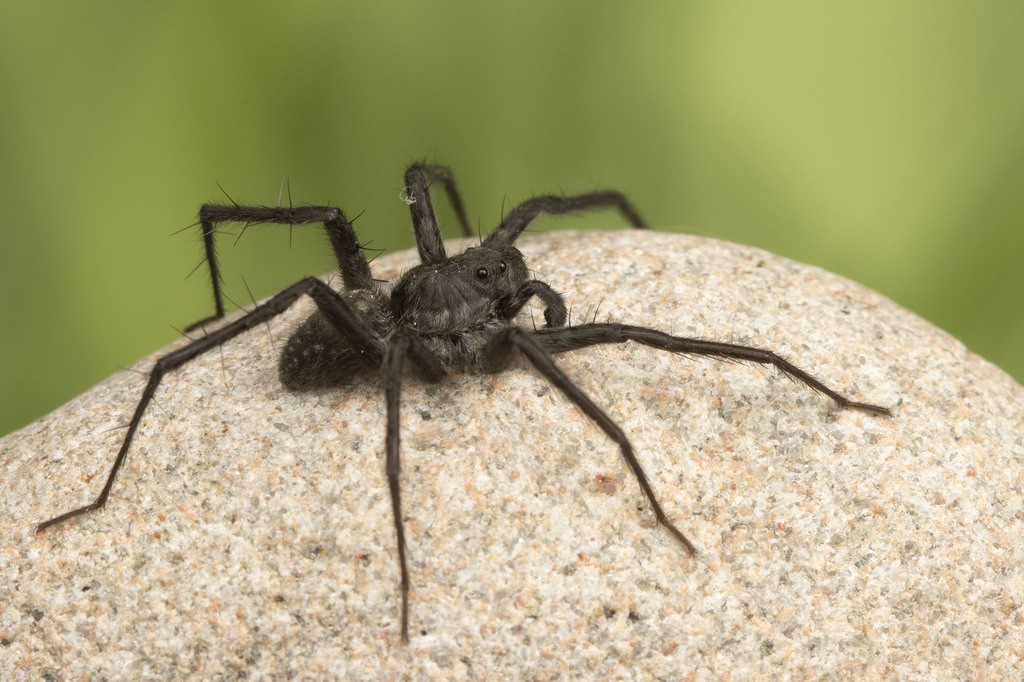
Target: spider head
[464,290]
[494,272]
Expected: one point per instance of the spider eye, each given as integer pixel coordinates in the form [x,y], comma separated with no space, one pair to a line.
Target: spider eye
[481,273]
[503,266]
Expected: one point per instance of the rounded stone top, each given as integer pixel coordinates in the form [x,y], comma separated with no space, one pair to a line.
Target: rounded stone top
[250,532]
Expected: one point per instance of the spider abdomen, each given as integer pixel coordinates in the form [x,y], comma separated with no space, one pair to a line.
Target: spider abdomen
[317,355]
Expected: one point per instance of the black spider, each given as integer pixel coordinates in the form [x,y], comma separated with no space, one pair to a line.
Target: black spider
[446,314]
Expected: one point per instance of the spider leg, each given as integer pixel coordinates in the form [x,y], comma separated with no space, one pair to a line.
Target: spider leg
[497,356]
[355,270]
[521,216]
[418,179]
[398,347]
[573,338]
[333,307]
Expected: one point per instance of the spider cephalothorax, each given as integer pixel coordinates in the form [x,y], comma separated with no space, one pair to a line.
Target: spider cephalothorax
[448,314]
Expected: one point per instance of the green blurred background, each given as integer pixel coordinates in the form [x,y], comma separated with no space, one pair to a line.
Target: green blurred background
[880,140]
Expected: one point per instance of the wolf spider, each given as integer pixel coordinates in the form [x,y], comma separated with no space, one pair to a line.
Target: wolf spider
[448,314]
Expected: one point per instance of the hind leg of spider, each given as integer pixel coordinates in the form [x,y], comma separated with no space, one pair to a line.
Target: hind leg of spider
[499,353]
[573,338]
[399,347]
[329,303]
[352,263]
[522,215]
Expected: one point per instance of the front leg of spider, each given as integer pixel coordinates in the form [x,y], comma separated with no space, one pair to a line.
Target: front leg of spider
[497,357]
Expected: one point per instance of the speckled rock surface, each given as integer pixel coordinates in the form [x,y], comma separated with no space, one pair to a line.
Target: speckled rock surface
[250,532]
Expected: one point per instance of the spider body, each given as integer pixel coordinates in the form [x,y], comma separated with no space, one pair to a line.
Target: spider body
[454,308]
[447,314]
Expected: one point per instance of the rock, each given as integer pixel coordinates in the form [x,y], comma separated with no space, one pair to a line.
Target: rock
[250,531]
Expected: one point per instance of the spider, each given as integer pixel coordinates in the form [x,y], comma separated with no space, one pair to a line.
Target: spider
[448,314]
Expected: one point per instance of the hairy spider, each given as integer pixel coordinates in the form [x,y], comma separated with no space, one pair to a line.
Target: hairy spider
[448,314]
